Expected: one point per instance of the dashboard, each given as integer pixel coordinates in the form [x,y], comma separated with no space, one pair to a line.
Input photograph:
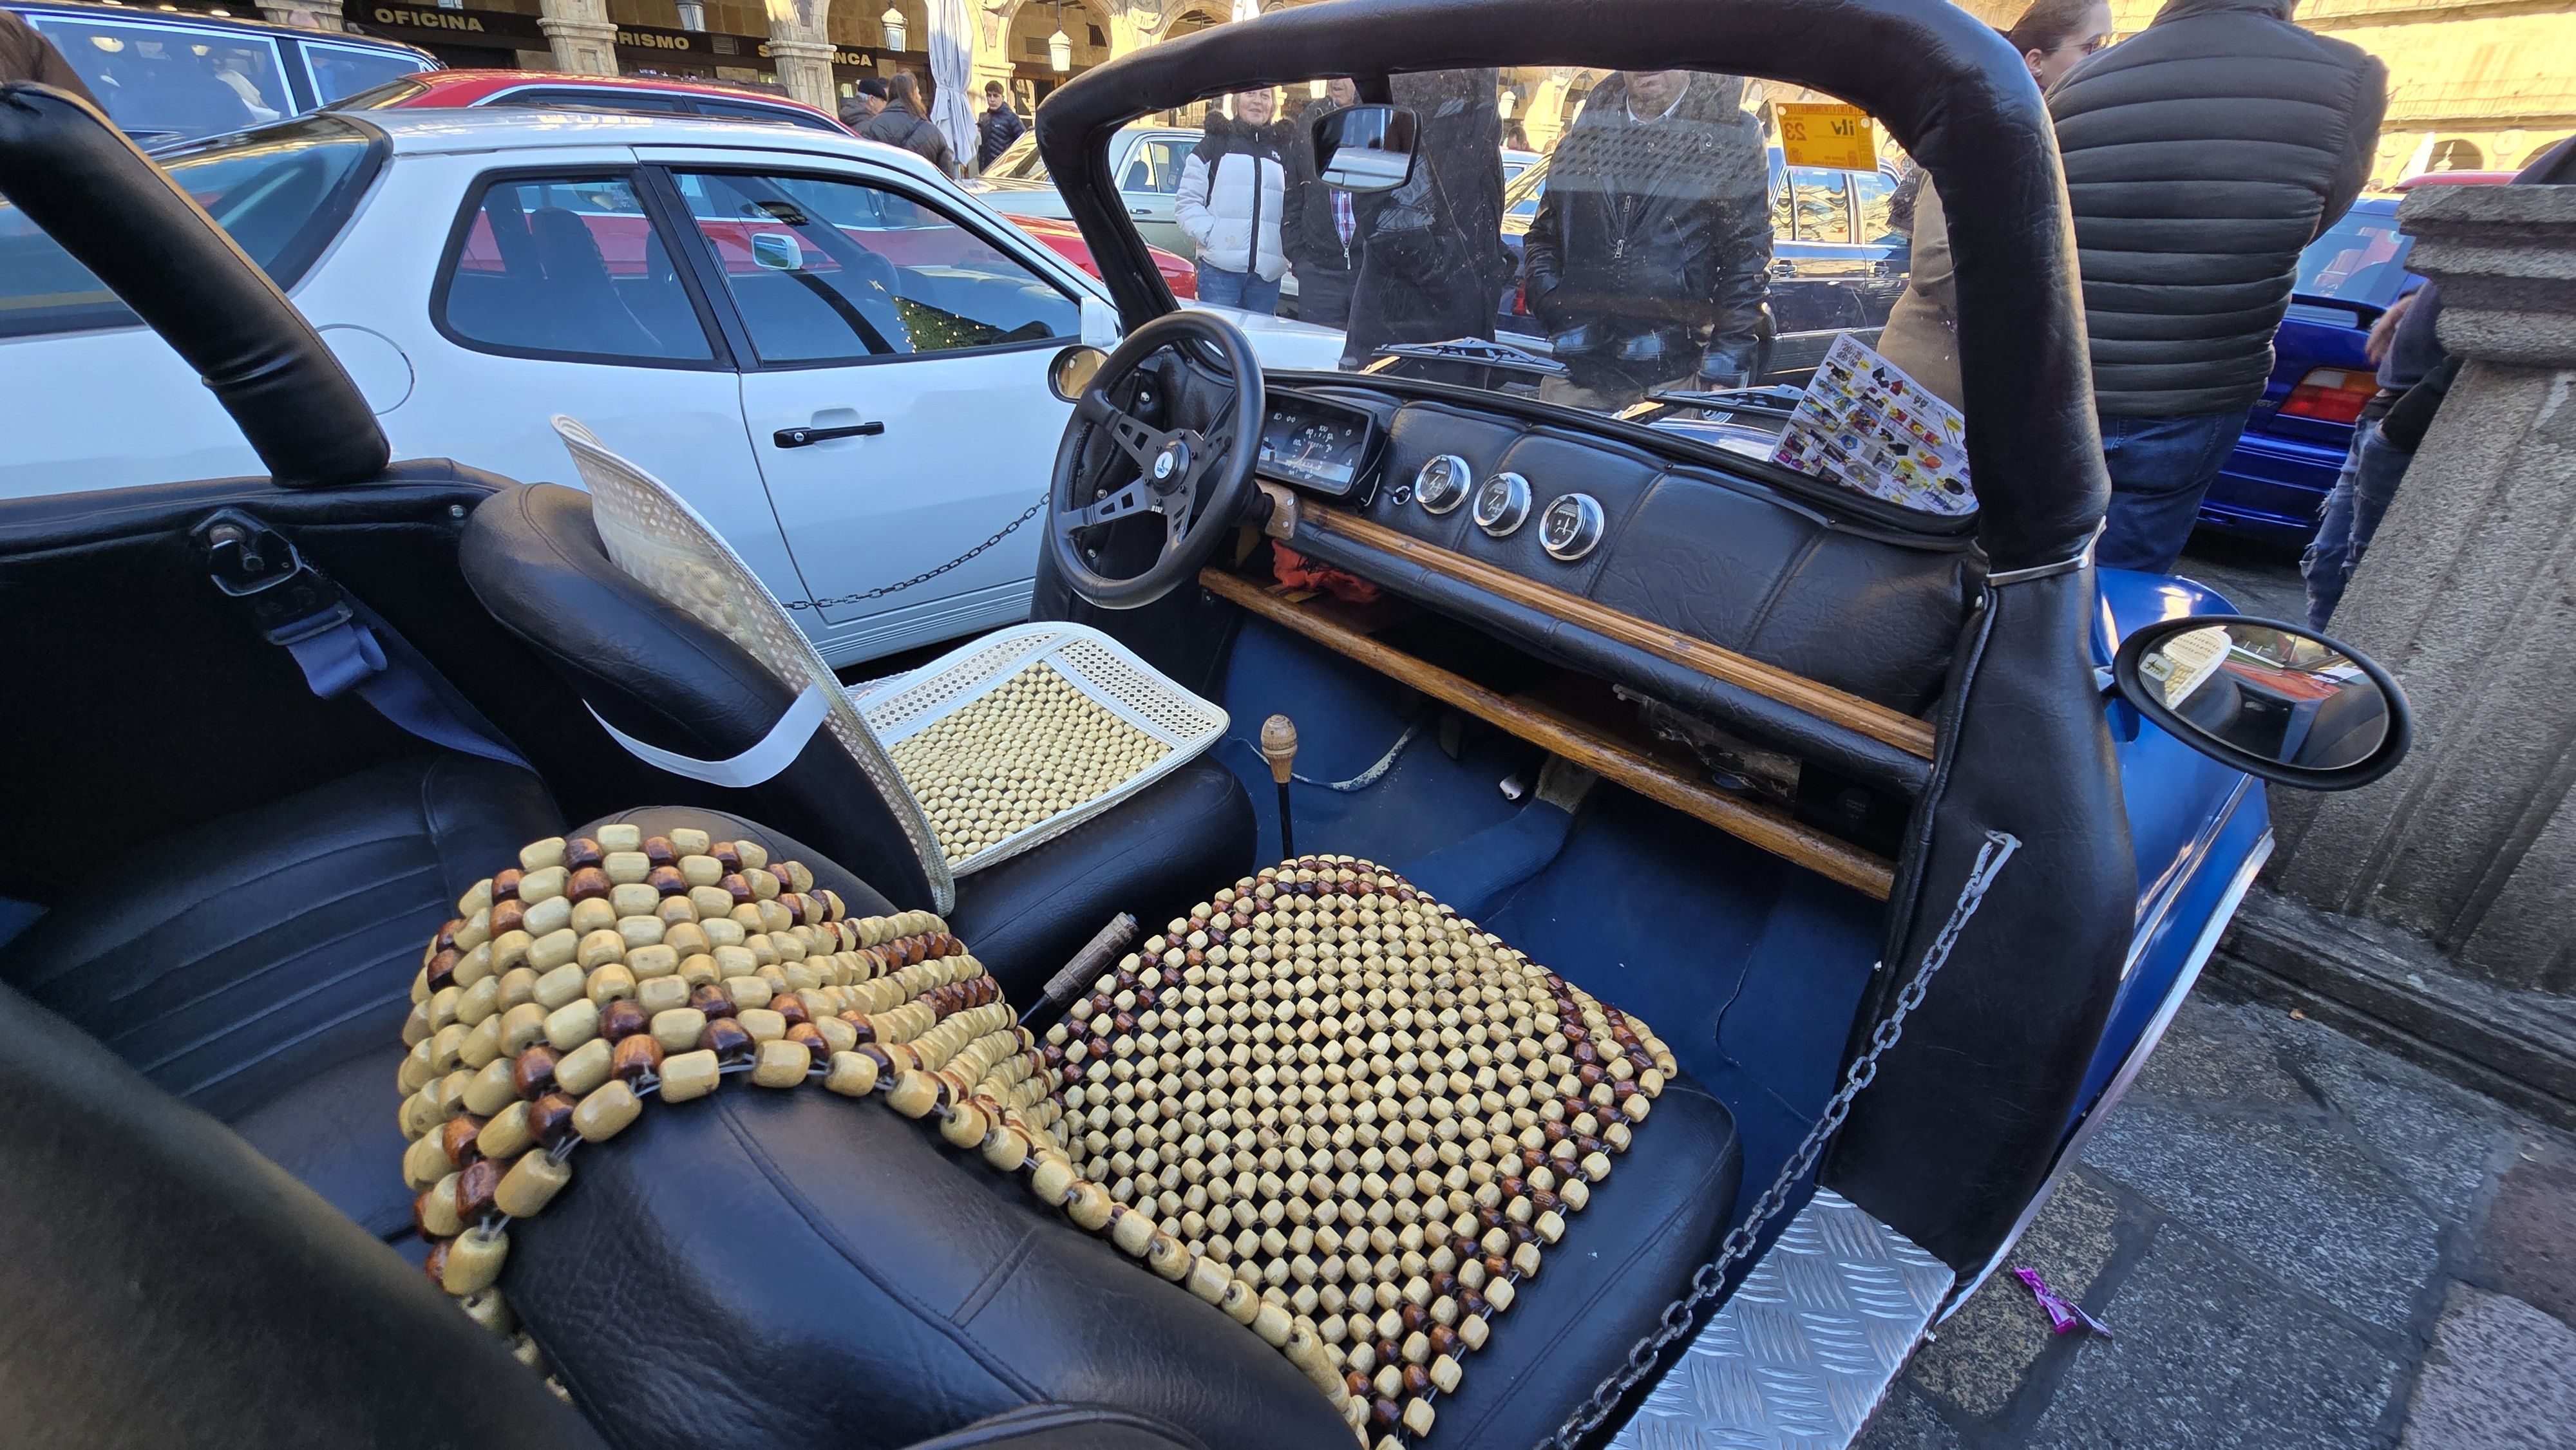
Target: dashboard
[1321,447]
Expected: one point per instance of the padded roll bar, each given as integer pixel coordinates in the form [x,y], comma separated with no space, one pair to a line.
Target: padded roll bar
[104,202]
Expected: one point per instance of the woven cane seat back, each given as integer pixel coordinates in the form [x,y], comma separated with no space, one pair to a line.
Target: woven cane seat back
[1321,1102]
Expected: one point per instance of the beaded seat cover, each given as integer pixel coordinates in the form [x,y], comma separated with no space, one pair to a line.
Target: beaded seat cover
[1322,1102]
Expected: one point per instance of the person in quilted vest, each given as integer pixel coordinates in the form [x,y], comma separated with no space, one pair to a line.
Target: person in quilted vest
[1234,191]
[2201,156]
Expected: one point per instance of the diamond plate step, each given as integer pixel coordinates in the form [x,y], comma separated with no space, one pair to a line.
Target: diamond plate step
[1802,1353]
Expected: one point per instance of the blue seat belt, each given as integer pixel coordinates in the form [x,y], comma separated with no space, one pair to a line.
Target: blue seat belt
[339,643]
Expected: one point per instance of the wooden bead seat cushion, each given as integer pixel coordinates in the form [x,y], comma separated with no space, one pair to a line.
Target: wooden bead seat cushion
[1321,1102]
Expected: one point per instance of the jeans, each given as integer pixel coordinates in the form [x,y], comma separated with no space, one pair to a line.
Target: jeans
[2160,469]
[1237,289]
[2371,473]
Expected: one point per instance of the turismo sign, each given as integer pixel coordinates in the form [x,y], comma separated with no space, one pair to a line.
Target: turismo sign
[1827,135]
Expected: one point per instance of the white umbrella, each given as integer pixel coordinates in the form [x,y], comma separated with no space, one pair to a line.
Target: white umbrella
[952,40]
[1246,10]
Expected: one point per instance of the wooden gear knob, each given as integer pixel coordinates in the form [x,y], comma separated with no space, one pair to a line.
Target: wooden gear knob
[1279,746]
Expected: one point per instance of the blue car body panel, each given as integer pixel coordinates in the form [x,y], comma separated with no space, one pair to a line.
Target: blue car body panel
[2275,484]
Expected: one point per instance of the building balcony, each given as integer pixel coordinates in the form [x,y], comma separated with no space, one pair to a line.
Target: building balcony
[2540,100]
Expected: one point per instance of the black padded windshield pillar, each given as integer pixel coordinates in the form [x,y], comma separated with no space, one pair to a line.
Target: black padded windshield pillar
[106,204]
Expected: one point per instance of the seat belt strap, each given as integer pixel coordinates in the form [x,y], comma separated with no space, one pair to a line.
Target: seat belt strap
[774,752]
[339,643]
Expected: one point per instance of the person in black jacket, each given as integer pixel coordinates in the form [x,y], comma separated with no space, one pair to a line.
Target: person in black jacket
[2201,156]
[904,123]
[997,128]
[1650,258]
[1323,236]
[1432,260]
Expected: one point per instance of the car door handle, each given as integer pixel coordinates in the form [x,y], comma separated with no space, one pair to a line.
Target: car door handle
[802,437]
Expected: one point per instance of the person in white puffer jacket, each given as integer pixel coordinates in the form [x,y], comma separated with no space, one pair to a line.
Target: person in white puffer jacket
[1234,190]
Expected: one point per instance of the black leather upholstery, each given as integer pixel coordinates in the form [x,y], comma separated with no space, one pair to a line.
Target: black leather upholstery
[1065,1427]
[79,178]
[738,1270]
[531,555]
[259,966]
[1159,853]
[534,559]
[169,1286]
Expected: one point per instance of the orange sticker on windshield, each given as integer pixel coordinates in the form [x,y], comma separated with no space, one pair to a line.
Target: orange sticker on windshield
[1827,135]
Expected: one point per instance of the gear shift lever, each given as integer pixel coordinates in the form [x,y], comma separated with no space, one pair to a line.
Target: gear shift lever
[1279,747]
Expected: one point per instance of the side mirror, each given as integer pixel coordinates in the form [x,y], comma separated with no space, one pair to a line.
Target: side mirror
[1365,148]
[2270,699]
[777,251]
[1073,369]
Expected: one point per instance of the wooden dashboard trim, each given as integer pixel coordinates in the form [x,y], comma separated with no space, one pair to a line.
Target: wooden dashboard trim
[1760,825]
[1865,717]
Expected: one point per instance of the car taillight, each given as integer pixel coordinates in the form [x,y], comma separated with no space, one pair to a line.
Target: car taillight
[2332,395]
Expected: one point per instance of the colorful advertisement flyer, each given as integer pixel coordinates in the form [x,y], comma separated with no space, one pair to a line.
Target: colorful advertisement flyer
[1866,425]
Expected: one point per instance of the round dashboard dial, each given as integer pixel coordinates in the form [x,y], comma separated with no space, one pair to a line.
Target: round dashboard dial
[1571,527]
[1443,483]
[1502,504]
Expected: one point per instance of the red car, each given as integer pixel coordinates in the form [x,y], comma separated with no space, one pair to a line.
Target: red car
[558,90]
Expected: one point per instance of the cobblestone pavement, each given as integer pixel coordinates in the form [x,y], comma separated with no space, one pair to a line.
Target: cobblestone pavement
[2299,1241]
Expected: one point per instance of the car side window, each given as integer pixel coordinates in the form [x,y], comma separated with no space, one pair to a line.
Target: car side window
[754,111]
[1874,192]
[568,267]
[836,270]
[344,70]
[605,98]
[1817,198]
[1156,166]
[164,82]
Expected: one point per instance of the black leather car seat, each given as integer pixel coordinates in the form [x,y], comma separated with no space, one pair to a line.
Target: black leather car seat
[259,966]
[533,557]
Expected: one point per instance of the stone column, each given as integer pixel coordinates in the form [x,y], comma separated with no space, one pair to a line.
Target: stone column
[583,38]
[2468,594]
[800,43]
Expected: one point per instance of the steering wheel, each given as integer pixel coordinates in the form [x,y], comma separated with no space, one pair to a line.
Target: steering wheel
[1197,481]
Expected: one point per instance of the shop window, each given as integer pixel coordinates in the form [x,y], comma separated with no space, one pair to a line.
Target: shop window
[831,270]
[568,267]
[166,82]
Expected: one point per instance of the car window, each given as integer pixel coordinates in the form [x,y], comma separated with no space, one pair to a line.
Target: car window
[1156,166]
[1817,204]
[605,98]
[828,270]
[2361,258]
[755,111]
[391,93]
[281,196]
[567,267]
[345,70]
[1019,161]
[1876,194]
[163,82]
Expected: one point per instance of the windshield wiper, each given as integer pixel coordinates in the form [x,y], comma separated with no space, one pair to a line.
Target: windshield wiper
[1778,397]
[1476,350]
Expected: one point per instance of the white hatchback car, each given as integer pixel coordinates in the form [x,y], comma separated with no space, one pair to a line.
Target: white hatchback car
[834,354]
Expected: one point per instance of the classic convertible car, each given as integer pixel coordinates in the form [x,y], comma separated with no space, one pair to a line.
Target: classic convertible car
[1711,904]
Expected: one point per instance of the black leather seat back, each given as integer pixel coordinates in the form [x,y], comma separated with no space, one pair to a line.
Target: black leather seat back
[169,1286]
[533,558]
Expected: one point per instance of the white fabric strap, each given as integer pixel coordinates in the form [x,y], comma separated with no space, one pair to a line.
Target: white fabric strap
[774,753]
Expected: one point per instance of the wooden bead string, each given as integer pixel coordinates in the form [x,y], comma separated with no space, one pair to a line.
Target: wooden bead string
[564,995]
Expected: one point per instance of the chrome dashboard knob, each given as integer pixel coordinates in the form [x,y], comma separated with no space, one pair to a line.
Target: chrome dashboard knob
[1443,483]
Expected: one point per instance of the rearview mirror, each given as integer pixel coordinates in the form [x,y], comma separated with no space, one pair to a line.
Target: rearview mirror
[777,251]
[1365,148]
[2270,699]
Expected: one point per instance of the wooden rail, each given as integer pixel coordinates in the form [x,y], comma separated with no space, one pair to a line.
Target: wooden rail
[1761,825]
[1866,717]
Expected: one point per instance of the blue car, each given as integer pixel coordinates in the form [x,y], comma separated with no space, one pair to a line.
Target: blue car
[2276,481]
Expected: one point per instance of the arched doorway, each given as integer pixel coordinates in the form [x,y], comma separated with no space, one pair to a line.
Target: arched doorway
[1033,71]
[2456,155]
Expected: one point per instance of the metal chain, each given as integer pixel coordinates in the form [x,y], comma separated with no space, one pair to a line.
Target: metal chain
[926,576]
[1711,1277]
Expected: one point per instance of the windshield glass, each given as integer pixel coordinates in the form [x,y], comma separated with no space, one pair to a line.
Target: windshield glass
[1701,252]
[281,193]
[1019,161]
[2361,258]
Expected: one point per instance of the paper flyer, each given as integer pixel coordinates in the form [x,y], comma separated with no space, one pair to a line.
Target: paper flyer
[1866,425]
